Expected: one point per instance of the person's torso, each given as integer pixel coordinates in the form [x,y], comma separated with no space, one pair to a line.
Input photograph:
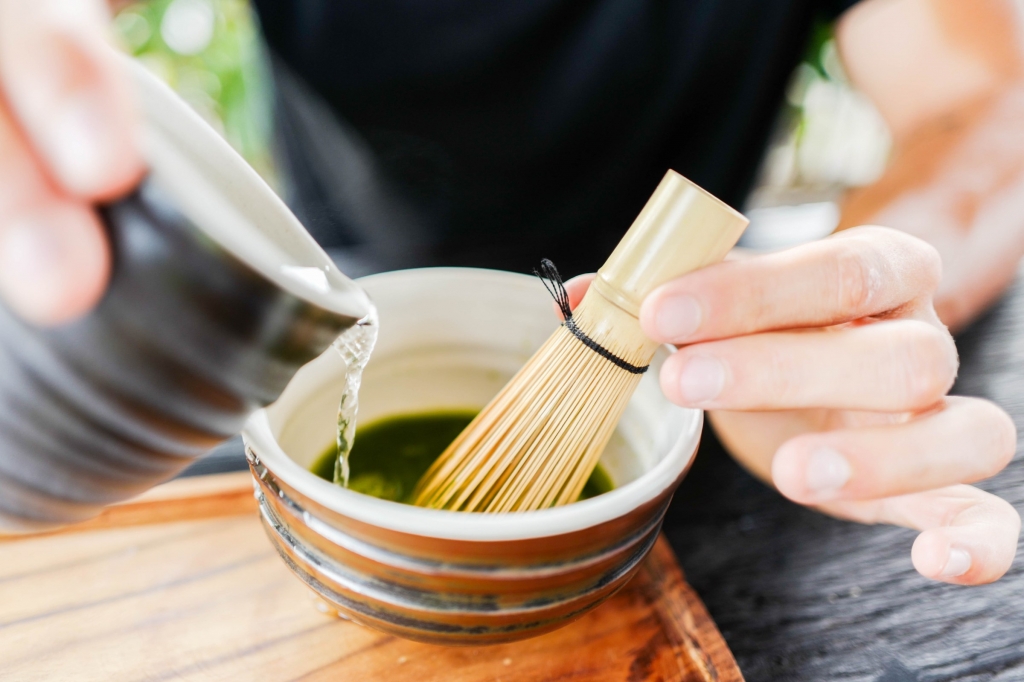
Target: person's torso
[539,127]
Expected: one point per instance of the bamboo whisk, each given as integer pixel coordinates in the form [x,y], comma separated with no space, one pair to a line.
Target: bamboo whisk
[537,442]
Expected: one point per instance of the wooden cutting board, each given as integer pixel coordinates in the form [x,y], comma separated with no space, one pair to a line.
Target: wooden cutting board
[182,584]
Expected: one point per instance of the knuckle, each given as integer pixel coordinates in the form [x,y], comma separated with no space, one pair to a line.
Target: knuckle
[897,256]
[931,264]
[1001,443]
[1007,435]
[1012,516]
[1002,513]
[927,362]
[761,308]
[856,278]
[782,379]
[974,506]
[917,258]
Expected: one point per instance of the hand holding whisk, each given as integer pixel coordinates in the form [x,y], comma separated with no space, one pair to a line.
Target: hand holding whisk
[539,439]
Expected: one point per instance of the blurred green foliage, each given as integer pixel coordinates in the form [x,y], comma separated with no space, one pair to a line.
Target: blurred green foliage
[209,51]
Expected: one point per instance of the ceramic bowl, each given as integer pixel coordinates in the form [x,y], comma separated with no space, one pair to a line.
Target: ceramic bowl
[218,296]
[451,338]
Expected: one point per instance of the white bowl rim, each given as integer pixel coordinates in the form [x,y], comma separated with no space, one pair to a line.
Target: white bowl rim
[480,527]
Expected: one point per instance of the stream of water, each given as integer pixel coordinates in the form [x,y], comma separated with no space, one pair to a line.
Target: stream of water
[355,347]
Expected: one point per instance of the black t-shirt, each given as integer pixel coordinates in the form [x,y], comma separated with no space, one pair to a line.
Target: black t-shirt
[521,129]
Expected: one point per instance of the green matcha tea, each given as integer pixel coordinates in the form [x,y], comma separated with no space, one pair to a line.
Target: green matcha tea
[391,454]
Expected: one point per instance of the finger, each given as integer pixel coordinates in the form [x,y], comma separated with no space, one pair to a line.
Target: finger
[894,366]
[858,273]
[576,288]
[65,89]
[54,257]
[968,440]
[970,536]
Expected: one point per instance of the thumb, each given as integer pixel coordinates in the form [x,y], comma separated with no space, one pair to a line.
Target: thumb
[576,288]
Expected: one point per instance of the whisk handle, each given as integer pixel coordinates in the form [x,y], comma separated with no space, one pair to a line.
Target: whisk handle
[681,228]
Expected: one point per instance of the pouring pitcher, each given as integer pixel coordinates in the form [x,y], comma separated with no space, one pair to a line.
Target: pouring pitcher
[218,296]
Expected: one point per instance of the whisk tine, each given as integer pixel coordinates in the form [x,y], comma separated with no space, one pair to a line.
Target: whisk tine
[571,468]
[538,441]
[581,411]
[555,439]
[510,440]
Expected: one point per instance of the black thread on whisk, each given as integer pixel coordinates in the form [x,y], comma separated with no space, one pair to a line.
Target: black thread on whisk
[552,281]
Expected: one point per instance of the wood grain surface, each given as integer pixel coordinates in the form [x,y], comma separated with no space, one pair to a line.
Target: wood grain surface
[801,596]
[182,584]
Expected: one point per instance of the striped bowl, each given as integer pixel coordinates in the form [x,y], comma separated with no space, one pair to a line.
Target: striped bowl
[450,338]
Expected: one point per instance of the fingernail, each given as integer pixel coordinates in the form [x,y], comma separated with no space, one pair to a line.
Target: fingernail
[702,379]
[678,318]
[827,471]
[958,563]
[81,142]
[31,272]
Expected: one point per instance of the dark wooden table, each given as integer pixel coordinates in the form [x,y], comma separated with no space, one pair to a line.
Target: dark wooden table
[800,596]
